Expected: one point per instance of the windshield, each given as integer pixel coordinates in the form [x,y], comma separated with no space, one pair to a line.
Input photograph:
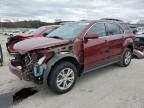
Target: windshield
[68,31]
[37,31]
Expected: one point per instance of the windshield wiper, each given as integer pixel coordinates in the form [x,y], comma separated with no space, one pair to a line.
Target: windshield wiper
[57,37]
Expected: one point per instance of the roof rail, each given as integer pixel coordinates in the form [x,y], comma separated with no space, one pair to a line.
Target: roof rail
[111,19]
[63,22]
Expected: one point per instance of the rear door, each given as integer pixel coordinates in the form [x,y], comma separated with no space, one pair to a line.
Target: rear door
[115,40]
[96,50]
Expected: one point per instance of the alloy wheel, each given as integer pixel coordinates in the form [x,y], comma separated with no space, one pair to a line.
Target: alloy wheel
[65,79]
[127,57]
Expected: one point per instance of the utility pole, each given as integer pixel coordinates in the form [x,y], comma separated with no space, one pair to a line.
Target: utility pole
[1,24]
[1,56]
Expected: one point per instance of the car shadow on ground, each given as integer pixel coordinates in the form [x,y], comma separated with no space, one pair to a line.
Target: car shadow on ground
[97,73]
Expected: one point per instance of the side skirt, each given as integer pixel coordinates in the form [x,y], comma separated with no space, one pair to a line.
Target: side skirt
[101,65]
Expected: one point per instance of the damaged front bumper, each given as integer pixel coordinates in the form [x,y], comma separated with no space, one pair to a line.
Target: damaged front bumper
[18,72]
[36,75]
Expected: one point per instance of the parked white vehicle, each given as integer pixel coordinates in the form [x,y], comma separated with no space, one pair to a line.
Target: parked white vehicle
[140,30]
[13,33]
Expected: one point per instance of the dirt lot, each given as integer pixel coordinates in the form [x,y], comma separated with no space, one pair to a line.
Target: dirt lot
[110,87]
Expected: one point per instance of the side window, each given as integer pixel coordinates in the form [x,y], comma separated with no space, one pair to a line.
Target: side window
[99,29]
[113,29]
[126,28]
[121,30]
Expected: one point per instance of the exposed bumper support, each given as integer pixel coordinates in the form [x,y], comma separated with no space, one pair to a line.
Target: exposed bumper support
[18,72]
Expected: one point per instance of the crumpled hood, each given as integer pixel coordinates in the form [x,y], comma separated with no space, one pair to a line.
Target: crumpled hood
[38,43]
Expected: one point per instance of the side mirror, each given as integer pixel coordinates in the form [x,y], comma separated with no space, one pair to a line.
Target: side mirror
[44,34]
[91,36]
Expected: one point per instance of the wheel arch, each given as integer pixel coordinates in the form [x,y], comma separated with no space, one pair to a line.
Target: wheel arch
[131,47]
[129,43]
[58,58]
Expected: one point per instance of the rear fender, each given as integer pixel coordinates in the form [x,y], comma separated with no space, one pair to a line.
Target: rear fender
[128,42]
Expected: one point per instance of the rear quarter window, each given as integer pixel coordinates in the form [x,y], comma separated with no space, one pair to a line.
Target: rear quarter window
[126,28]
[113,29]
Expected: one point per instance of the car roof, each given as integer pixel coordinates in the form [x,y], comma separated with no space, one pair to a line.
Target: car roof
[103,20]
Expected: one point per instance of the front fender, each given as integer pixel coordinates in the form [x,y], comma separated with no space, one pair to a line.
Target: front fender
[52,61]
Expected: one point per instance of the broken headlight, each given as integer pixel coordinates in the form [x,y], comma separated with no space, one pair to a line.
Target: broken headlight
[41,61]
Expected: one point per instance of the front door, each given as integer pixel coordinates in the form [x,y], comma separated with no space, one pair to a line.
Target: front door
[96,50]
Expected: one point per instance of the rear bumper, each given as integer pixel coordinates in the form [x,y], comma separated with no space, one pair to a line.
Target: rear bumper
[18,72]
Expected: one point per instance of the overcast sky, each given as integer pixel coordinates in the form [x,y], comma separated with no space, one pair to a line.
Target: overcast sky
[48,10]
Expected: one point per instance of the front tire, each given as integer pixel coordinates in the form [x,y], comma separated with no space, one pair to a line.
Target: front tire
[126,58]
[63,77]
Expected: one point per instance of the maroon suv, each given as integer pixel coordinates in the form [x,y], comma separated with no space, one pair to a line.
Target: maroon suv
[71,50]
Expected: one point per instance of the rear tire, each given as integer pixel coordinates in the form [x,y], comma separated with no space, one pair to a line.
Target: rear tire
[126,58]
[63,77]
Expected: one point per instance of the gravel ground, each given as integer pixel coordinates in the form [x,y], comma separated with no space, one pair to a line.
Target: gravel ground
[109,87]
